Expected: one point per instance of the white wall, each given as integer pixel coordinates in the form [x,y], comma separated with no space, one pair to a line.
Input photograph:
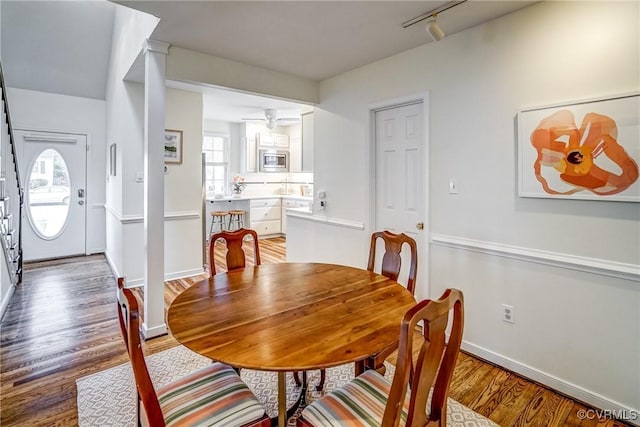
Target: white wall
[191,66]
[577,329]
[183,195]
[52,112]
[124,106]
[183,187]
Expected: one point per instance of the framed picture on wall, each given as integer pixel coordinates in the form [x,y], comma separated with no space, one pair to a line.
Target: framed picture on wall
[587,150]
[172,146]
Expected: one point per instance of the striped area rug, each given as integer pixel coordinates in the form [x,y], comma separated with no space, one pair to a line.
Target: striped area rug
[107,398]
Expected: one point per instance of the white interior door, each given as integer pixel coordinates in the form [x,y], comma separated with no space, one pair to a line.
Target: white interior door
[53,174]
[400,180]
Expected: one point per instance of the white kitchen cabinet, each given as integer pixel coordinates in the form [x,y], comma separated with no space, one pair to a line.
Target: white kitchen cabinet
[282,141]
[295,155]
[249,150]
[265,216]
[273,140]
[266,228]
[251,154]
[307,142]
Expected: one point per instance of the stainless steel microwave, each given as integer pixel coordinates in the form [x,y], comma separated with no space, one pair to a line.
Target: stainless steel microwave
[273,160]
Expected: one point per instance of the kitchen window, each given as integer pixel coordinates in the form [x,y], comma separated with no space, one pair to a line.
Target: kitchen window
[216,150]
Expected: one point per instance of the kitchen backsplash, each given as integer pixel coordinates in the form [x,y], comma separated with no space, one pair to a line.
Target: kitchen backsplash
[265,184]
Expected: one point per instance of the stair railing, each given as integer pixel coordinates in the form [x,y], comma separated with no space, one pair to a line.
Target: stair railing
[11,194]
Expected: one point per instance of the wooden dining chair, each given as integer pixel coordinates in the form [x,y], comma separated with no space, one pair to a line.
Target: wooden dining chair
[235,257]
[390,267]
[372,400]
[391,260]
[214,394]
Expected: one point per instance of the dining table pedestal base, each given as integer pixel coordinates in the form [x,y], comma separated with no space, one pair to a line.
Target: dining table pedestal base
[282,400]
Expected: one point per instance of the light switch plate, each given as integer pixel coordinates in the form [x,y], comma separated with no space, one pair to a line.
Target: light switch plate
[453,186]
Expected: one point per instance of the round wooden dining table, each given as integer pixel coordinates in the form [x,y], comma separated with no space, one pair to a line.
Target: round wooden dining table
[290,317]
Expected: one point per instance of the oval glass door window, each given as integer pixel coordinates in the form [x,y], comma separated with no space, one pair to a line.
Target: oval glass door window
[49,194]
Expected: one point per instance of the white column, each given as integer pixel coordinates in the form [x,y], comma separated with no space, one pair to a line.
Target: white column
[155,56]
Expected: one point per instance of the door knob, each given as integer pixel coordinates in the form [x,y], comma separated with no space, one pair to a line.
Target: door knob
[81,202]
[420,225]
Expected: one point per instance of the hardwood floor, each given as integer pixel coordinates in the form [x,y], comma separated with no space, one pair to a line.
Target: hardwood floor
[61,325]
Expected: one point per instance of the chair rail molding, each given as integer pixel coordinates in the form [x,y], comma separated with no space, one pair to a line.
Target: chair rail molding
[327,220]
[168,216]
[556,259]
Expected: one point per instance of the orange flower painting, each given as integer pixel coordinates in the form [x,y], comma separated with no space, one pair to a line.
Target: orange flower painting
[584,150]
[589,158]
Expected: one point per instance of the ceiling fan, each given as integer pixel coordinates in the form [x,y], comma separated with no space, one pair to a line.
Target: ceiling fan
[271,119]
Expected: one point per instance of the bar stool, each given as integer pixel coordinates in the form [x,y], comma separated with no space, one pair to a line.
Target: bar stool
[218,219]
[236,219]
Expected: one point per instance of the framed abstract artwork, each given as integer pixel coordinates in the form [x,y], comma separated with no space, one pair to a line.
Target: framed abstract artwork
[587,150]
[172,146]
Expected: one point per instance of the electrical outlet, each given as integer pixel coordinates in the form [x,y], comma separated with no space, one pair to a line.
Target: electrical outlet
[507,313]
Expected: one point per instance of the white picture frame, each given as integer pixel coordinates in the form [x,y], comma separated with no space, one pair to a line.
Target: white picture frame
[172,146]
[585,150]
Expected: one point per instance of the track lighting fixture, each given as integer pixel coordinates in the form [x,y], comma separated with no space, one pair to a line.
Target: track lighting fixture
[433,27]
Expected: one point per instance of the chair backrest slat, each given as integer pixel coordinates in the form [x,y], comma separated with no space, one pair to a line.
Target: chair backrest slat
[392,260]
[435,362]
[235,257]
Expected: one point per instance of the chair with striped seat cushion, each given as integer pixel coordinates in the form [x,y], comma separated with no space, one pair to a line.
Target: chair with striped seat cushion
[371,400]
[360,402]
[212,396]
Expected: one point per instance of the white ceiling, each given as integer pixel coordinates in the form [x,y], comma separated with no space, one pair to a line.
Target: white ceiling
[312,39]
[64,46]
[57,46]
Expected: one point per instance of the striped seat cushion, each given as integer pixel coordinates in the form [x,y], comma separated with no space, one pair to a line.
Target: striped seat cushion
[212,396]
[360,402]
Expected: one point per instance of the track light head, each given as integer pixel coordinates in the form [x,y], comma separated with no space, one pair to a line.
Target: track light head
[434,29]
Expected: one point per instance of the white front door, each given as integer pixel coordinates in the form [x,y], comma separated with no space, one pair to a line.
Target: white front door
[400,181]
[53,175]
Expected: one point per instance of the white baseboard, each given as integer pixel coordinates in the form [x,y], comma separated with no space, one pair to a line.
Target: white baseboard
[553,382]
[112,266]
[156,331]
[135,283]
[6,300]
[184,273]
[138,283]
